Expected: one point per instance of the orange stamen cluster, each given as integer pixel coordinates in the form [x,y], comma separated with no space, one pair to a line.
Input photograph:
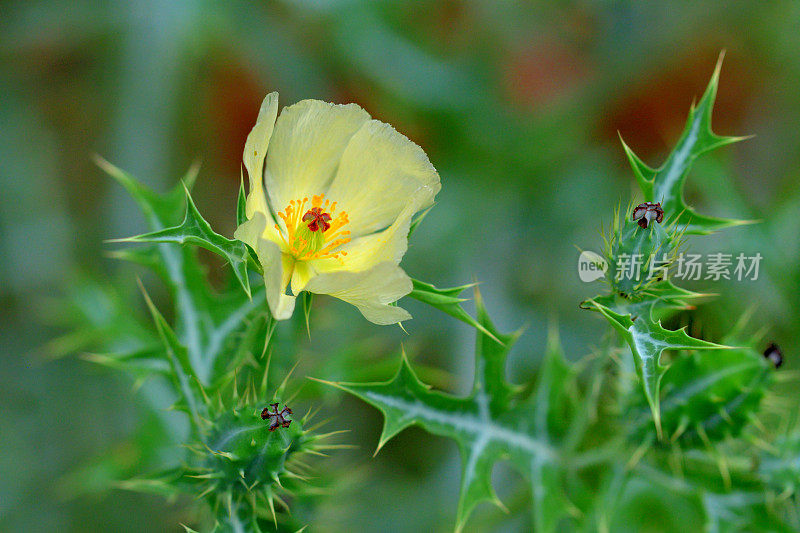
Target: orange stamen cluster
[314,233]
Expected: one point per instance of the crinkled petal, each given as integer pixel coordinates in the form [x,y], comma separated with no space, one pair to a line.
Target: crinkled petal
[255,150]
[382,173]
[306,147]
[371,291]
[277,266]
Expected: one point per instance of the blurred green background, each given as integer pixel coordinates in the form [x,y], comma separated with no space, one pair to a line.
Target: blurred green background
[518,106]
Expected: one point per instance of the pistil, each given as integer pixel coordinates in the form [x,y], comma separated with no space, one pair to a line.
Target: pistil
[317,233]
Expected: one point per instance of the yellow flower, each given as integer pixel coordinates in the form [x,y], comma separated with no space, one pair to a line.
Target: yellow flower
[332,193]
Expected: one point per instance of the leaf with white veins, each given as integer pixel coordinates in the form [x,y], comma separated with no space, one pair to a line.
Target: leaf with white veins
[489,425]
[195,230]
[665,184]
[648,340]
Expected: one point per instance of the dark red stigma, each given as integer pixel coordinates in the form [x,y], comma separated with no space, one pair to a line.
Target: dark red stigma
[317,219]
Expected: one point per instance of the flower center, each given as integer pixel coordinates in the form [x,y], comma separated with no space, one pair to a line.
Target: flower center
[317,219]
[313,233]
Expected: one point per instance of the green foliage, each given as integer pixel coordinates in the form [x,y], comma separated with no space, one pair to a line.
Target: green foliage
[779,465]
[704,407]
[647,340]
[665,184]
[243,471]
[655,246]
[447,301]
[206,322]
[706,399]
[495,422]
[214,354]
[596,454]
[195,230]
[638,300]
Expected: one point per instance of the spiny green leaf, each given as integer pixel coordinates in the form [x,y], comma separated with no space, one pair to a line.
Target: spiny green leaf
[666,183]
[648,340]
[123,460]
[660,299]
[547,417]
[183,373]
[606,498]
[241,338]
[482,440]
[146,256]
[554,375]
[175,350]
[195,230]
[490,362]
[179,267]
[447,301]
[488,425]
[712,397]
[101,319]
[780,467]
[635,306]
[205,322]
[741,511]
[747,506]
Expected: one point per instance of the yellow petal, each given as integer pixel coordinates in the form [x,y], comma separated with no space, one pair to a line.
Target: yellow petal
[382,173]
[306,147]
[301,274]
[365,252]
[255,150]
[277,266]
[371,290]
